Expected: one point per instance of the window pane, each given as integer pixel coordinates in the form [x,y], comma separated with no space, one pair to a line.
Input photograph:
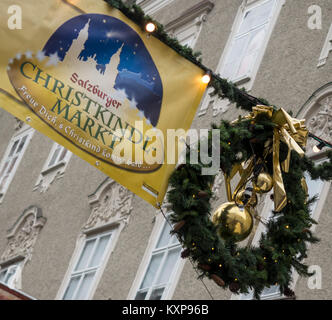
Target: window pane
[254,44]
[175,240]
[235,56]
[12,150]
[63,154]
[71,288]
[152,271]
[168,267]
[314,188]
[99,252]
[141,295]
[157,294]
[85,255]
[10,274]
[54,157]
[273,290]
[11,166]
[165,236]
[85,287]
[4,169]
[22,144]
[3,275]
[256,17]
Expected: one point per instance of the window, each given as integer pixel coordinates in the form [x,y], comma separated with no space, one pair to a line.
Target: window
[12,158]
[59,155]
[88,265]
[247,41]
[244,49]
[271,293]
[111,207]
[163,262]
[54,167]
[9,275]
[152,6]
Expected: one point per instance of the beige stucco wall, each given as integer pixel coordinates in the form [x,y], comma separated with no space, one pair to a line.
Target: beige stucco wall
[287,77]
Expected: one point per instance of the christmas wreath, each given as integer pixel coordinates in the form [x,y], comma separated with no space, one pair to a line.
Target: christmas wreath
[267,149]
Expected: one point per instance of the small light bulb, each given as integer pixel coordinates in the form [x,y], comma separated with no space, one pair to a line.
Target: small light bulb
[315,149]
[150,27]
[318,148]
[206,78]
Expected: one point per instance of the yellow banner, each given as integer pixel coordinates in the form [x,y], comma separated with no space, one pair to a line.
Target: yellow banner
[90,79]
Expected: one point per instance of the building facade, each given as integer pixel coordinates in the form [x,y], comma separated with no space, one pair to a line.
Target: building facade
[69,232]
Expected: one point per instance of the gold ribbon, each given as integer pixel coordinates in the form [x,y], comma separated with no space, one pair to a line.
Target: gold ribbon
[289,130]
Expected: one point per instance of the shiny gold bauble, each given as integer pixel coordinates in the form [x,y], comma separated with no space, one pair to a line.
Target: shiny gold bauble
[232,221]
[264,183]
[240,198]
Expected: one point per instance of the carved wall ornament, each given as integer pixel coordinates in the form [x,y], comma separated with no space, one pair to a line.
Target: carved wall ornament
[110,203]
[23,235]
[320,121]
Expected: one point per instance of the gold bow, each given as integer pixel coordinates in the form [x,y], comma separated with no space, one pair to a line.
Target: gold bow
[289,130]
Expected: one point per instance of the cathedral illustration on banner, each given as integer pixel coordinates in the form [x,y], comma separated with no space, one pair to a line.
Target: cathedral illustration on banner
[105,53]
[88,69]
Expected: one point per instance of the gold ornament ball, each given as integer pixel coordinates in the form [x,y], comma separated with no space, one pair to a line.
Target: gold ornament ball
[233,221]
[264,183]
[240,197]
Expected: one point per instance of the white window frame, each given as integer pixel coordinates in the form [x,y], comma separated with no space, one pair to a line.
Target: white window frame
[14,282]
[249,79]
[152,6]
[153,241]
[222,105]
[56,170]
[57,163]
[25,131]
[114,229]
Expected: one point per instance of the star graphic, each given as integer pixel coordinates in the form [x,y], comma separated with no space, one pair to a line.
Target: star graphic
[122,94]
[53,60]
[28,54]
[133,104]
[40,55]
[141,114]
[11,61]
[18,56]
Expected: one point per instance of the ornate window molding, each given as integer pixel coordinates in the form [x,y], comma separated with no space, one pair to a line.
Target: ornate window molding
[318,114]
[54,167]
[187,27]
[111,206]
[152,6]
[21,239]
